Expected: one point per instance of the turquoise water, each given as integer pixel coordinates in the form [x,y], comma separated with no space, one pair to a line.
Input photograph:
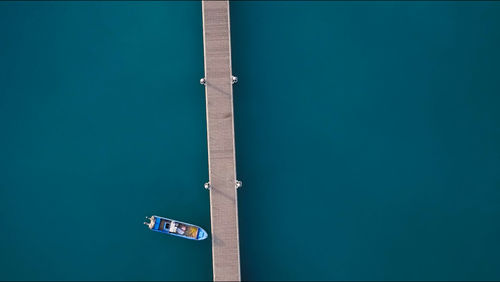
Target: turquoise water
[367,140]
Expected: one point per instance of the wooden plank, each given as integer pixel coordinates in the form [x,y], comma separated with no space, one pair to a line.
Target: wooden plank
[220,134]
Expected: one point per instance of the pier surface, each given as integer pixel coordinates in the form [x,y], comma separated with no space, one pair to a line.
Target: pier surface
[220,131]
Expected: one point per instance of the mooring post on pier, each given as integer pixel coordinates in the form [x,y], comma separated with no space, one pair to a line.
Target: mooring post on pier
[222,183]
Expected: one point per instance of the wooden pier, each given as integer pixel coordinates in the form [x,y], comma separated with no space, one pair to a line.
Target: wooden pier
[218,82]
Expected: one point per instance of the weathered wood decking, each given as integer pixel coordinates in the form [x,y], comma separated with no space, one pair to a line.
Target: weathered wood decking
[220,131]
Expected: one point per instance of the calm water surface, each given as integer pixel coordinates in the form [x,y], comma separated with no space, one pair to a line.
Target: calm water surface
[367,140]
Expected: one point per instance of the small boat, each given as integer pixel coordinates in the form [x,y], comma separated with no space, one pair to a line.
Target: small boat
[176,228]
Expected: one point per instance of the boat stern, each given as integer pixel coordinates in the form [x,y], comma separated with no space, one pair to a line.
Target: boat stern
[151,223]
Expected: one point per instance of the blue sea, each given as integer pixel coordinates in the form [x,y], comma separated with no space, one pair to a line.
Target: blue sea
[367,140]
